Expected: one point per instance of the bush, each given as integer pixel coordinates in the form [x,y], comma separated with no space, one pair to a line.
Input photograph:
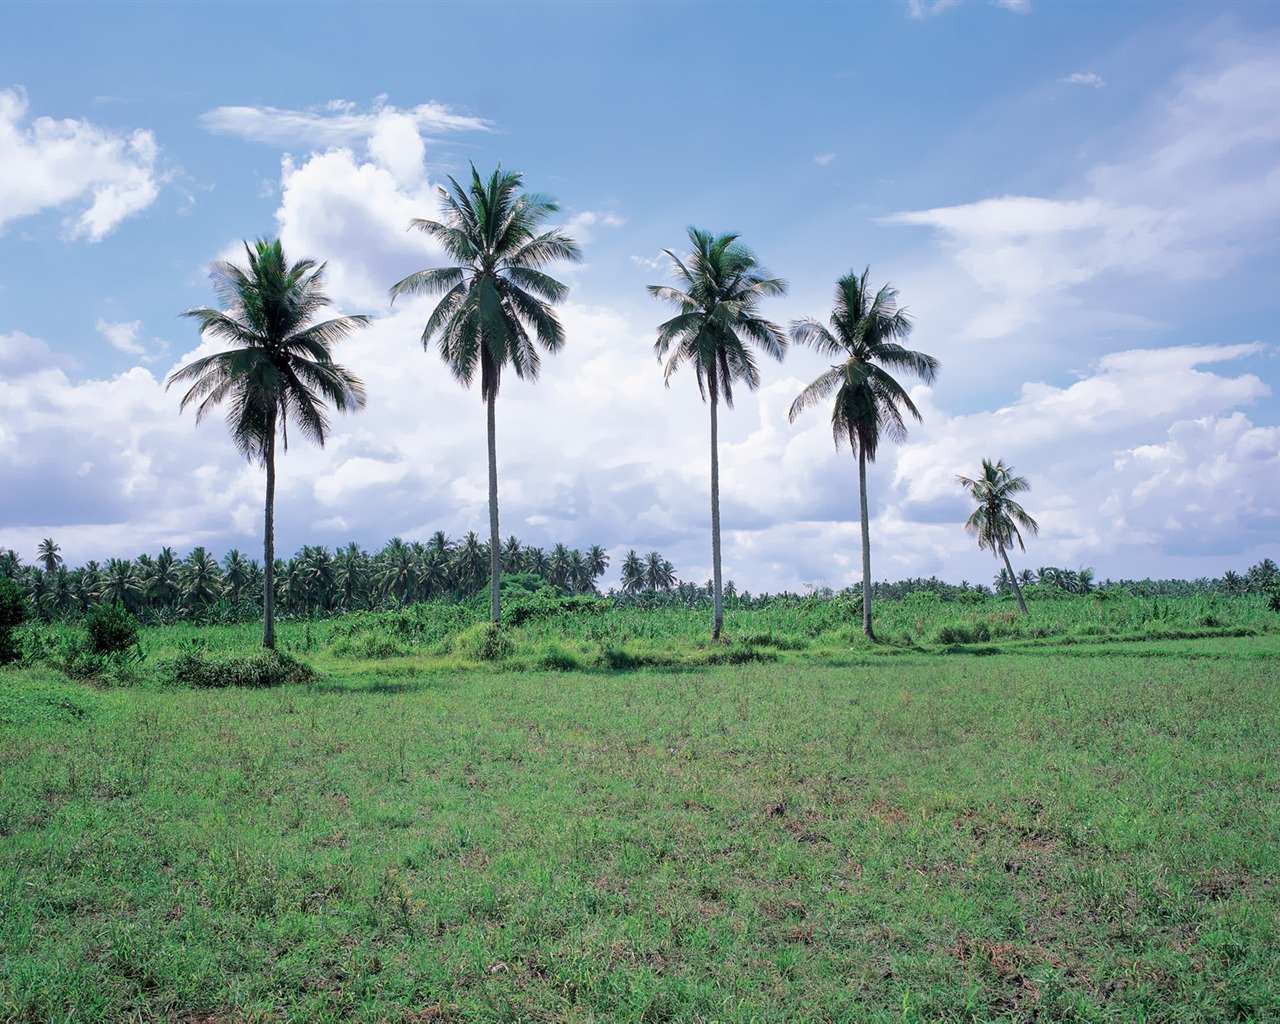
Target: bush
[557,659]
[262,668]
[13,612]
[485,642]
[111,629]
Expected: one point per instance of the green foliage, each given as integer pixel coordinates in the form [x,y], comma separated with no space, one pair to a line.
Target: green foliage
[418,629]
[261,668]
[13,612]
[486,641]
[111,629]
[548,605]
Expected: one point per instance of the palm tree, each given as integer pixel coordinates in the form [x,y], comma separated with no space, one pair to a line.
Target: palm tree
[279,368]
[722,284]
[996,520]
[497,299]
[659,574]
[867,329]
[598,561]
[235,573]
[632,573]
[47,552]
[201,578]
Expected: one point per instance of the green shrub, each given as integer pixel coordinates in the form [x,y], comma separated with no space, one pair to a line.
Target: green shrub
[557,659]
[111,629]
[485,642]
[543,606]
[13,612]
[261,668]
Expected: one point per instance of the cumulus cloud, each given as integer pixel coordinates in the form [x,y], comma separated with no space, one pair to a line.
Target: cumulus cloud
[823,159]
[102,175]
[123,336]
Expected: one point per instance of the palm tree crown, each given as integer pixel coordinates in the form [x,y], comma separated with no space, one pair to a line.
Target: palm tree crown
[717,320]
[722,285]
[278,368]
[865,339]
[996,520]
[496,304]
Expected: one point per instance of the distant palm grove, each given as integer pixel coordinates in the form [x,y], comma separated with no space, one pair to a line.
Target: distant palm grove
[495,315]
[318,581]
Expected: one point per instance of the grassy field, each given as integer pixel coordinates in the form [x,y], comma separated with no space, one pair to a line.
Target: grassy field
[1083,832]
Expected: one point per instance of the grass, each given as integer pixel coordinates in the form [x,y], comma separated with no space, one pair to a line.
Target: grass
[1083,833]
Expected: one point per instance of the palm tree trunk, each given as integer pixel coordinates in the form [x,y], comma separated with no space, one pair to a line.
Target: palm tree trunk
[1013,579]
[718,599]
[866,543]
[495,550]
[269,546]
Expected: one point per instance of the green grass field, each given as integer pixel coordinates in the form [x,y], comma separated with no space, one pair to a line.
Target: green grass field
[1013,830]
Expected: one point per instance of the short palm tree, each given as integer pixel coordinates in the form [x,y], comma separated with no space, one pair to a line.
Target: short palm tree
[721,284]
[497,299]
[996,520]
[866,334]
[48,554]
[278,369]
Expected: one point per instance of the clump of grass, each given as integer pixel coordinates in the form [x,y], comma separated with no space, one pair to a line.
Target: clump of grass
[484,642]
[259,669]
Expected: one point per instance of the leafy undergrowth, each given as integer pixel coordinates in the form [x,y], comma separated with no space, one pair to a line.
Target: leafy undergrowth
[1028,837]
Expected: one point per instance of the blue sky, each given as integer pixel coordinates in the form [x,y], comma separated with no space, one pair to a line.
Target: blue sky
[1077,202]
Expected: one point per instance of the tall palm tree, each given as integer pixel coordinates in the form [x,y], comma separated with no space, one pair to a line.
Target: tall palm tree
[721,285]
[496,305]
[996,520]
[867,329]
[279,368]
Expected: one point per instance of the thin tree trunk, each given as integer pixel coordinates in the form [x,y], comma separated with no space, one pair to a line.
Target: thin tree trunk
[866,544]
[269,547]
[718,599]
[495,551]
[1013,579]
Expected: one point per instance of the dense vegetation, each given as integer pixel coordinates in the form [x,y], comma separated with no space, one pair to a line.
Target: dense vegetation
[318,582]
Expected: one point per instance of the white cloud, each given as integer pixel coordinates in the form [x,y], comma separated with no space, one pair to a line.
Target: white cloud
[1085,78]
[580,224]
[123,336]
[49,164]
[1197,189]
[920,9]
[355,216]
[336,124]
[823,159]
